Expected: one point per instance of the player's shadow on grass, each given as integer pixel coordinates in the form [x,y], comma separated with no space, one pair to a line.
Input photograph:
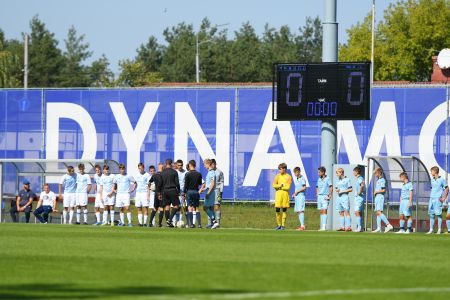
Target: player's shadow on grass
[61,291]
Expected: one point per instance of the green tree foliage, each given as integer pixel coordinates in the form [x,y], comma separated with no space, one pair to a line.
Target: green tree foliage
[10,62]
[100,75]
[409,34]
[150,55]
[134,74]
[74,73]
[46,61]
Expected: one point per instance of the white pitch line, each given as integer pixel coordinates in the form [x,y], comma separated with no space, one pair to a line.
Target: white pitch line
[304,294]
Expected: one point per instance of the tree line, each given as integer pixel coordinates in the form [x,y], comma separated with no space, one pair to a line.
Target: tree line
[407,35]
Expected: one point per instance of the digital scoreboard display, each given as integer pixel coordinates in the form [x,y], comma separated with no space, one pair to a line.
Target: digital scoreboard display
[321,91]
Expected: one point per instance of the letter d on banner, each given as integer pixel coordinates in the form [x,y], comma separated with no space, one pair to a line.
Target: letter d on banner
[63,110]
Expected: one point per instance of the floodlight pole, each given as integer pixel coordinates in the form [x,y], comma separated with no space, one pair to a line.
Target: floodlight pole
[329,128]
[372,52]
[25,61]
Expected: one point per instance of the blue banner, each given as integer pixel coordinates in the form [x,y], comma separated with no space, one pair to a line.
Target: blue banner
[233,125]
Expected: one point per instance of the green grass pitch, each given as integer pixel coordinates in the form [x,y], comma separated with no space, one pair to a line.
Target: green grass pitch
[86,262]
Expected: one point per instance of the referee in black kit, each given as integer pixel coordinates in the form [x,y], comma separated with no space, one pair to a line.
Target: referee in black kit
[170,191]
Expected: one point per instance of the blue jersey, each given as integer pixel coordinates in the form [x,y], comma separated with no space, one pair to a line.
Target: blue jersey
[107,182]
[210,176]
[438,186]
[142,182]
[380,185]
[83,180]
[123,183]
[323,185]
[359,181]
[406,188]
[299,183]
[343,184]
[69,183]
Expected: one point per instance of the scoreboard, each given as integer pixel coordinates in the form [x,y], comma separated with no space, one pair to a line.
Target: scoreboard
[321,91]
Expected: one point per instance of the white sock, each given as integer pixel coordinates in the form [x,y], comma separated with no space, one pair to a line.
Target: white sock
[122,217]
[78,215]
[145,219]
[129,217]
[105,216]
[194,217]
[70,216]
[111,214]
[85,213]
[97,216]
[64,216]
[140,218]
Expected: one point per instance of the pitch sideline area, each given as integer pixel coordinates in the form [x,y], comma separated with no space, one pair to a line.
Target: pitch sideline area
[76,262]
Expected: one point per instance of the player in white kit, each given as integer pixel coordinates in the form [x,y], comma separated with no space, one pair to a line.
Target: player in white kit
[124,182]
[178,218]
[142,195]
[99,206]
[108,194]
[68,184]
[151,200]
[83,188]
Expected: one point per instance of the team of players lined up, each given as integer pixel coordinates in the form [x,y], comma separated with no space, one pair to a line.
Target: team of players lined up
[324,190]
[164,192]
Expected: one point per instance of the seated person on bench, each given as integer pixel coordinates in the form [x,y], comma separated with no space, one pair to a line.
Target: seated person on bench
[46,204]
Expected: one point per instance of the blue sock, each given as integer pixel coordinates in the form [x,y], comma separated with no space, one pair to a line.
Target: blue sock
[348,221]
[325,220]
[342,221]
[448,225]
[384,219]
[439,222]
[378,222]
[431,222]
[358,222]
[402,224]
[301,218]
[409,224]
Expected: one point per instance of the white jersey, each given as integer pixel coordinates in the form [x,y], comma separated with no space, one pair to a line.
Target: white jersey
[181,176]
[47,199]
[107,182]
[142,182]
[97,179]
[123,183]
[69,183]
[83,180]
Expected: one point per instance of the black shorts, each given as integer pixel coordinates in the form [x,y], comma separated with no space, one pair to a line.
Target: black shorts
[158,203]
[170,197]
[193,198]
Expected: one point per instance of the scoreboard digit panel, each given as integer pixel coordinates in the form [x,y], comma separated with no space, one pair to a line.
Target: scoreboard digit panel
[334,91]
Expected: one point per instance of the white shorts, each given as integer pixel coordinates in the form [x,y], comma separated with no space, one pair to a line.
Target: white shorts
[110,201]
[151,201]
[82,199]
[69,200]
[98,201]
[123,200]
[141,200]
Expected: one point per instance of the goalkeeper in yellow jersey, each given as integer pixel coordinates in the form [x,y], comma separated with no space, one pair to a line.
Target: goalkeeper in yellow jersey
[282,185]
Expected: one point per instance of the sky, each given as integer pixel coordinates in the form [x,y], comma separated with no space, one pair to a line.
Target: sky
[116,28]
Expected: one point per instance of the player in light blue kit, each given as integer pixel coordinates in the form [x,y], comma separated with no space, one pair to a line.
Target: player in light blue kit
[68,184]
[299,197]
[108,195]
[380,190]
[343,187]
[141,201]
[405,209]
[99,205]
[439,192]
[360,197]
[124,182]
[324,189]
[178,218]
[83,188]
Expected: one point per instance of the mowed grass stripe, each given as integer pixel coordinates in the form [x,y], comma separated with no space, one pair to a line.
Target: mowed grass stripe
[57,262]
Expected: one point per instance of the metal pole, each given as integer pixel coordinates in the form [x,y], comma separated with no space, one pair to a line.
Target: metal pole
[372,55]
[197,61]
[329,54]
[1,191]
[235,146]
[25,62]
[446,134]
